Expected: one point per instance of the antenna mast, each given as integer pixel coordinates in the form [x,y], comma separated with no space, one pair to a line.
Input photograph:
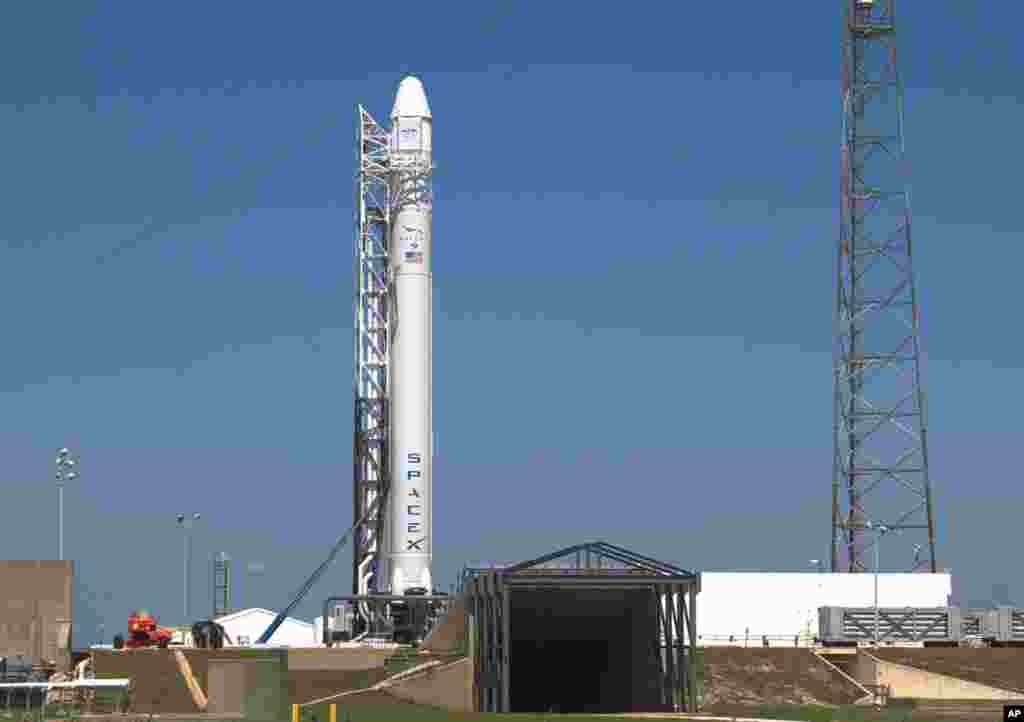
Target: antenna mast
[880,469]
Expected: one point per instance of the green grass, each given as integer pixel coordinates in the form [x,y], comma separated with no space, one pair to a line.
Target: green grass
[109,675]
[818,713]
[353,711]
[404,658]
[803,712]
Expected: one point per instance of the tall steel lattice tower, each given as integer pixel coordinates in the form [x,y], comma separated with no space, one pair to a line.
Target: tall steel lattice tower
[221,585]
[880,487]
[371,348]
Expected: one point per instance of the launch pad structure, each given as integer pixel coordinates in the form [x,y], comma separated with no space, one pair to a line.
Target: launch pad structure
[881,485]
[371,350]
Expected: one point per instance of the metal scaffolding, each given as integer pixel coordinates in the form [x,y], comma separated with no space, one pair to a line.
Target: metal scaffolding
[371,345]
[221,585]
[880,468]
[672,634]
[390,615]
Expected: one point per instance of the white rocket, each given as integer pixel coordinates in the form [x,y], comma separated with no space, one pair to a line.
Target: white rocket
[408,547]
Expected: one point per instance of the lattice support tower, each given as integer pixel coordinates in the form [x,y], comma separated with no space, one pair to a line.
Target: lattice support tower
[371,345]
[221,585]
[881,490]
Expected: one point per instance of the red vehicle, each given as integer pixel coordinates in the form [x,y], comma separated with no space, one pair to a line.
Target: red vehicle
[144,632]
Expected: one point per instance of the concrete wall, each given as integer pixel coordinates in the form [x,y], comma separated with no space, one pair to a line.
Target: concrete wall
[909,682]
[159,688]
[450,687]
[252,683]
[35,609]
[157,684]
[449,635]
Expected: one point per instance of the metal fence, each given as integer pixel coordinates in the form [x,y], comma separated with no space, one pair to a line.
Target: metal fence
[64,700]
[752,639]
[920,624]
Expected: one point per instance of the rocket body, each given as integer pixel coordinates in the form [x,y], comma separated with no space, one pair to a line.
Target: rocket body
[408,547]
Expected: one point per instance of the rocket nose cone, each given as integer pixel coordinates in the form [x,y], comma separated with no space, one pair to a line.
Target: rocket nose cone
[410,100]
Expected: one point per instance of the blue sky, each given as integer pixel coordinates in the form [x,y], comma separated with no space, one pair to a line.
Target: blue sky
[635,216]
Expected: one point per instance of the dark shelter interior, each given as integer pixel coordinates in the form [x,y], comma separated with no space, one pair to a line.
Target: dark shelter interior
[588,650]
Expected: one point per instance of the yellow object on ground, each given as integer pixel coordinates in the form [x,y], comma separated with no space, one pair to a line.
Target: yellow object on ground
[193,687]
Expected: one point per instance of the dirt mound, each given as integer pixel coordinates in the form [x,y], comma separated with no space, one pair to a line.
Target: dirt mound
[1002,668]
[742,677]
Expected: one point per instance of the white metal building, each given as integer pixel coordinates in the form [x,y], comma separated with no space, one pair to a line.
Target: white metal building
[747,606]
[245,627]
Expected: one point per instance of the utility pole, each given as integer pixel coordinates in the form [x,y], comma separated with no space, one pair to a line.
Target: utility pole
[185,521]
[878,558]
[66,463]
[880,460]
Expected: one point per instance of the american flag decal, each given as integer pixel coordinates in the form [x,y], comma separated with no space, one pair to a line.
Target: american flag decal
[414,257]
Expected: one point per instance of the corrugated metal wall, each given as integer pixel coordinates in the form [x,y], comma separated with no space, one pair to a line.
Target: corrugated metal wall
[35,609]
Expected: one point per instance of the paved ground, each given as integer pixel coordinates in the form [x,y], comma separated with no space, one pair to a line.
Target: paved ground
[999,667]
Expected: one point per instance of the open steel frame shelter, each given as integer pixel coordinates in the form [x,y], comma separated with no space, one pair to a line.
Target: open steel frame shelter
[672,637]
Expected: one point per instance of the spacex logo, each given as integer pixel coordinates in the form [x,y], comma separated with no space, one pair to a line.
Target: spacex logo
[414,506]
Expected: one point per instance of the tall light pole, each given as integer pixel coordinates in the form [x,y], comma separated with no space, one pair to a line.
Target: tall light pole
[820,566]
[66,463]
[185,521]
[882,531]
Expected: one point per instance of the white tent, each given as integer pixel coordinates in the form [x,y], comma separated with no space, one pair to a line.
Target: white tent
[245,627]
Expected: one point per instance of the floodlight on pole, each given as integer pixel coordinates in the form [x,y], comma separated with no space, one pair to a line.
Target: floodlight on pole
[65,463]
